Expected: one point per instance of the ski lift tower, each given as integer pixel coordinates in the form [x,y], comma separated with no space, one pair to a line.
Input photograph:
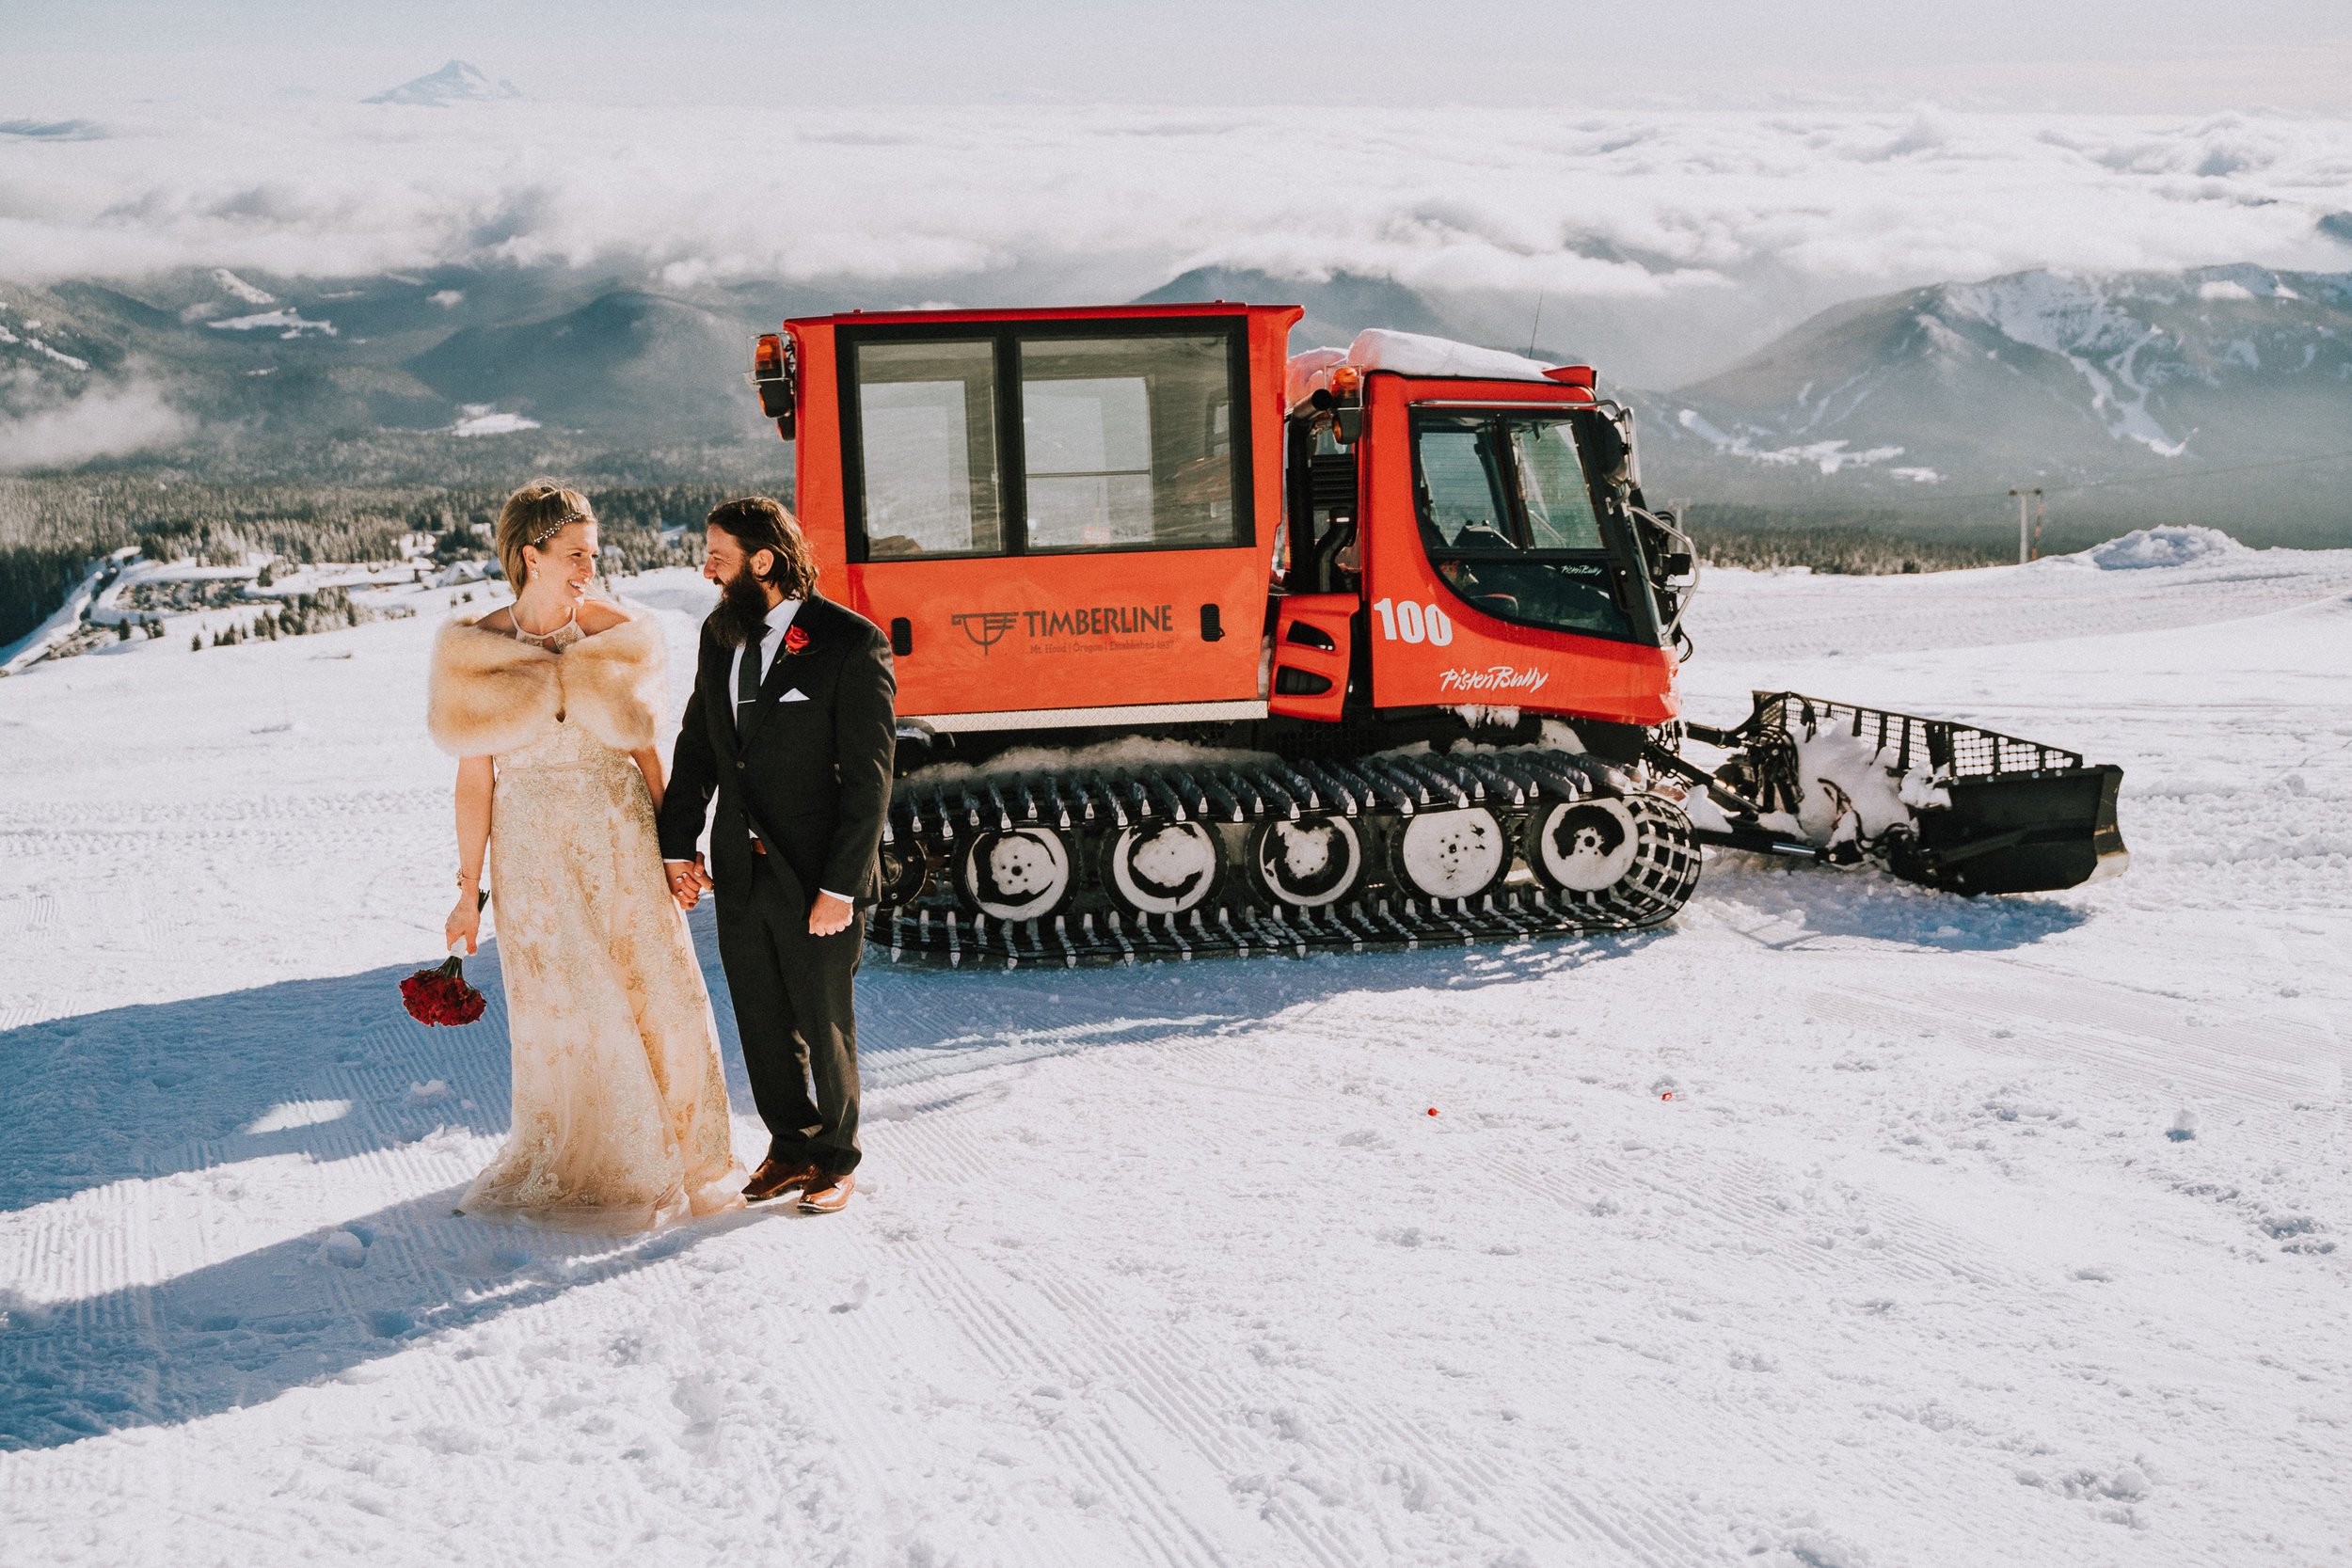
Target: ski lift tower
[2029,524]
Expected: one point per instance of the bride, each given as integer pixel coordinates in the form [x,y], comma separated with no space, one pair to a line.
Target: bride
[550,704]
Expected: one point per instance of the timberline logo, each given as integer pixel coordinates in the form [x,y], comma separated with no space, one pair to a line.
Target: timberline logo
[1495,677]
[987,627]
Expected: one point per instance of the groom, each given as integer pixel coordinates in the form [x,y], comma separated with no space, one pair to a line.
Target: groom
[791,722]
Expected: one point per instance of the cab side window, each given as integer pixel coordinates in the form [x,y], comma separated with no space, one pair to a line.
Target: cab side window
[1464,503]
[1559,503]
[1046,438]
[927,449]
[1128,442]
[1507,521]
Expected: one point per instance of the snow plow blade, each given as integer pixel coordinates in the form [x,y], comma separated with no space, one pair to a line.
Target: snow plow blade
[2018,834]
[1984,812]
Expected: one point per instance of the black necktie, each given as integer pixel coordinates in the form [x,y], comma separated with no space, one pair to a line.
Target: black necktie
[747,673]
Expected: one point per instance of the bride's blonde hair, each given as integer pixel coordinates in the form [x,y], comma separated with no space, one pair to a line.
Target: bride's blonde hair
[534,513]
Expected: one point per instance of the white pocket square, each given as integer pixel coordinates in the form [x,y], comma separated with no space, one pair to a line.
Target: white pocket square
[795,695]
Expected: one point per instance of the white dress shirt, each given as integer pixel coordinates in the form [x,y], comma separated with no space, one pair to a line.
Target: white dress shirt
[779,621]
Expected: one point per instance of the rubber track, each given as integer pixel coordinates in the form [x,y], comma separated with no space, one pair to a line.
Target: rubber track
[1239,923]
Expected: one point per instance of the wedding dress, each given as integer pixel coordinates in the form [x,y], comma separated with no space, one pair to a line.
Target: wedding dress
[620,1117]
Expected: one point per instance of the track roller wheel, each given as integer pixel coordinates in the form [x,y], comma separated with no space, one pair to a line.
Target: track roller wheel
[1309,864]
[1017,874]
[1658,858]
[1161,868]
[903,873]
[1581,846]
[1451,854]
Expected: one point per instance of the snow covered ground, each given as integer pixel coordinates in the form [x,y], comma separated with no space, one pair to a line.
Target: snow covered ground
[2147,581]
[1974,1233]
[61,621]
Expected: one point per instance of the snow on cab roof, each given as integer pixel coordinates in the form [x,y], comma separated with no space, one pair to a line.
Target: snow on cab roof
[1406,354]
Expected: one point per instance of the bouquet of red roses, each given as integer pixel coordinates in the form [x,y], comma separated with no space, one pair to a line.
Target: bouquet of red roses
[440,994]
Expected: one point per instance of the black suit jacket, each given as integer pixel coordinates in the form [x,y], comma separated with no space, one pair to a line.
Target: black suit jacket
[814,775]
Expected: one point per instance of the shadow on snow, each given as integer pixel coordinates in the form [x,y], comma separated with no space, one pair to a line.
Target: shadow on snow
[246,1329]
[333,1068]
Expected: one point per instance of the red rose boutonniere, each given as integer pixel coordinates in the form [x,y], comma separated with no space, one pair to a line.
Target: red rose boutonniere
[795,639]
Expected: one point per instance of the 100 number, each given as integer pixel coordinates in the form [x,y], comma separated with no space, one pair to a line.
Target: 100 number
[1402,620]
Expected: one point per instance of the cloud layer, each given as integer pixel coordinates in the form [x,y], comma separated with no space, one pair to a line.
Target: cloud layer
[1730,224]
[106,422]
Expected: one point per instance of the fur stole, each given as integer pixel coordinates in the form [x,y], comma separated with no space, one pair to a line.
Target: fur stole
[490,693]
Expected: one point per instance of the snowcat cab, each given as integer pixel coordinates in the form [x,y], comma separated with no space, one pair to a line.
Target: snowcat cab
[1473,518]
[1190,633]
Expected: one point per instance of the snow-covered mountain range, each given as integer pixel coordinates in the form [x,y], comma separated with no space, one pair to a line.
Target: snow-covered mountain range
[223,357]
[1900,401]
[2034,377]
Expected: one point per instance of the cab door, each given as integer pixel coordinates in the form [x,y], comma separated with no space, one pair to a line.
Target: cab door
[1494,577]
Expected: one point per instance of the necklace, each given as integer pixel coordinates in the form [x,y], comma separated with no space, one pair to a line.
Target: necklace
[540,636]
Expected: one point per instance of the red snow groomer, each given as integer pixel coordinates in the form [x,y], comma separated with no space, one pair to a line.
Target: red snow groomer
[1204,648]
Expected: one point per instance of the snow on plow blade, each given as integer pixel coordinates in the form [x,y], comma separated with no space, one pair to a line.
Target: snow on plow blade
[1973,810]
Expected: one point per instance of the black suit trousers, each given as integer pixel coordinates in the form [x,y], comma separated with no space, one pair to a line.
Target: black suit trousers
[795,1017]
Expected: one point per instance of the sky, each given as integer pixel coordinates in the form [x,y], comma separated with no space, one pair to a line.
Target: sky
[1673,182]
[2050,55]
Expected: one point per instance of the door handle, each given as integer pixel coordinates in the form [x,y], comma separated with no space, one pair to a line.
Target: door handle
[1212,626]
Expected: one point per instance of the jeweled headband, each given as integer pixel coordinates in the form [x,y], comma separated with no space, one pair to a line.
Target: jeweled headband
[538,540]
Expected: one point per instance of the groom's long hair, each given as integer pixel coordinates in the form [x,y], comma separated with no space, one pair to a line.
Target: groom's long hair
[759,523]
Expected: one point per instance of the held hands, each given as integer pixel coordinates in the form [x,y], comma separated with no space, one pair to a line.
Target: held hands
[830,916]
[827,916]
[688,881]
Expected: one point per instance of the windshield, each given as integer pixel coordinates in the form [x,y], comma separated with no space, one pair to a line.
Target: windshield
[1507,519]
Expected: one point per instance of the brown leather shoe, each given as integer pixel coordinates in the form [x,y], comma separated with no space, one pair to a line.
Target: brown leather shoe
[828,1194]
[775,1177]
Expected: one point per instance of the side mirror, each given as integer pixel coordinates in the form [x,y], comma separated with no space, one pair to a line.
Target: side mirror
[1604,447]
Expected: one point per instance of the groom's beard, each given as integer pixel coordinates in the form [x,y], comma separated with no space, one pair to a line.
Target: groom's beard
[743,606]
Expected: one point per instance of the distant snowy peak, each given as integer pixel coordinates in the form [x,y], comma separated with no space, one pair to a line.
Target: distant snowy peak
[2079,313]
[2016,373]
[2090,324]
[455,82]
[2129,335]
